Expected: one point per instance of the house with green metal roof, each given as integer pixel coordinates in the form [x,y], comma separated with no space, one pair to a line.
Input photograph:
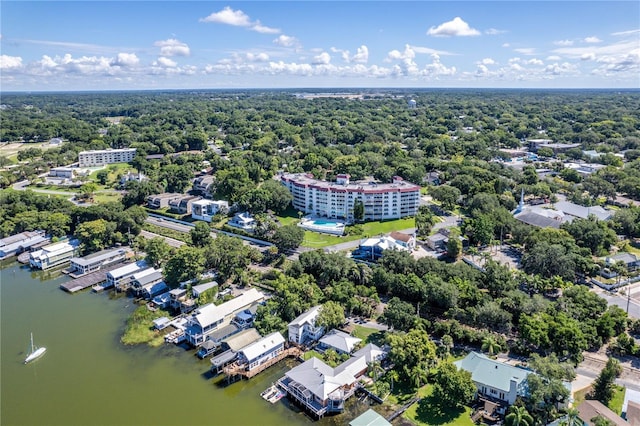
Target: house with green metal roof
[495,379]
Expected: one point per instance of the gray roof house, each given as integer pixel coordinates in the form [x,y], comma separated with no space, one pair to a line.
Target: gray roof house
[495,379]
[303,328]
[265,349]
[339,341]
[206,319]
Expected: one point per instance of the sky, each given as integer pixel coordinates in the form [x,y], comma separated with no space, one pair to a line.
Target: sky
[131,45]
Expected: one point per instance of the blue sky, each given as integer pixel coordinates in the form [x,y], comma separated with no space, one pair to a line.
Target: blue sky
[92,45]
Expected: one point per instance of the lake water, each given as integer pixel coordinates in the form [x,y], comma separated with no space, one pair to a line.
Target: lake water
[87,377]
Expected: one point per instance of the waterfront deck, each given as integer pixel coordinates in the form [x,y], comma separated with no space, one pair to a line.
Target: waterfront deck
[24,257]
[236,369]
[88,280]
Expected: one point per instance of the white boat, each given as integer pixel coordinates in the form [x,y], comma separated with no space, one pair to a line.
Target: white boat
[34,352]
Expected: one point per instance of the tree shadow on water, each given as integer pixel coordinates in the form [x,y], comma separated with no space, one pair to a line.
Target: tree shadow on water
[432,412]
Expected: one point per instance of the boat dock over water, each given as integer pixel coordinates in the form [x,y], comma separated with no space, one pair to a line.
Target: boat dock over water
[24,257]
[88,280]
[272,394]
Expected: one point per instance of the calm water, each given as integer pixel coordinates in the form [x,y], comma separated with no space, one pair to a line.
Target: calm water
[87,377]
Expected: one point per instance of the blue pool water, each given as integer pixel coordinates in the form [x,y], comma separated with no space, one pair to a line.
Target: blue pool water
[320,222]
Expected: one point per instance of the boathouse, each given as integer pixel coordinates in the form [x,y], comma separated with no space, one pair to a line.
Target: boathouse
[208,318]
[96,261]
[120,276]
[145,283]
[230,347]
[303,329]
[54,254]
[19,243]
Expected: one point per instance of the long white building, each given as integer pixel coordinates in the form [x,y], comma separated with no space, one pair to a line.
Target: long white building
[101,157]
[54,254]
[336,199]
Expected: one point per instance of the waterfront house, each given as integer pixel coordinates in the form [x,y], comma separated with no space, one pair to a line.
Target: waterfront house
[265,349]
[121,277]
[161,323]
[148,283]
[495,379]
[206,209]
[19,243]
[183,205]
[230,347]
[244,221]
[339,341]
[212,343]
[162,300]
[303,329]
[208,318]
[319,388]
[54,255]
[96,261]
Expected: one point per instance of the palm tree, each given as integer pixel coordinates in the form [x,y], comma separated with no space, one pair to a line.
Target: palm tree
[572,417]
[518,416]
[394,377]
[490,345]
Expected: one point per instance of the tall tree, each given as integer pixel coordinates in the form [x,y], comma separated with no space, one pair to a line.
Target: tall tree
[603,387]
[453,387]
[518,416]
[200,234]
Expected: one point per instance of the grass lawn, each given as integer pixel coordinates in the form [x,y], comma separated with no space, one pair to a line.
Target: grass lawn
[618,399]
[309,354]
[105,197]
[429,412]
[114,170]
[140,328]
[369,335]
[318,240]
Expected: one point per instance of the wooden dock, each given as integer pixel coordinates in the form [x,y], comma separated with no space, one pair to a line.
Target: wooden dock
[88,280]
[24,257]
[236,369]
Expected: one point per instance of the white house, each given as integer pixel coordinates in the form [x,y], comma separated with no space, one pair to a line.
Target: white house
[243,221]
[303,330]
[494,378]
[339,341]
[208,318]
[16,244]
[120,276]
[206,209]
[263,350]
[54,254]
[95,261]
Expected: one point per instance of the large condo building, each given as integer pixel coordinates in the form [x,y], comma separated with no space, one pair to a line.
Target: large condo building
[336,199]
[101,157]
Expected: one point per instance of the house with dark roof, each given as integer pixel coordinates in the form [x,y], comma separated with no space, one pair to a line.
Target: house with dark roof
[591,409]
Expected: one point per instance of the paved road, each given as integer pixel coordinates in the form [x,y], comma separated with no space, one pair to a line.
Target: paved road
[169,224]
[171,241]
[623,300]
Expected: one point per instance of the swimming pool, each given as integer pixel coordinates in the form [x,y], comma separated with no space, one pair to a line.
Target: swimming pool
[322,225]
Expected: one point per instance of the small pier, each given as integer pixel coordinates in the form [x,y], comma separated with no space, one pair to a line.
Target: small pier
[88,280]
[236,369]
[24,257]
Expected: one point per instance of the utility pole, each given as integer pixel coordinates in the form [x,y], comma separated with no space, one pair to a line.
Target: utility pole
[628,297]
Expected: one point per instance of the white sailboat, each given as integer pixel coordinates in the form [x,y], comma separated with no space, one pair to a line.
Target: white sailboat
[34,352]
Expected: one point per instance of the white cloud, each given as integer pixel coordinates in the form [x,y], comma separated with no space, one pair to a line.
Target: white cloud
[126,60]
[165,62]
[588,56]
[323,58]
[238,18]
[487,61]
[626,33]
[526,50]
[362,55]
[494,31]
[553,58]
[10,62]
[345,54]
[429,51]
[559,69]
[534,61]
[620,57]
[563,43]
[592,39]
[506,45]
[173,47]
[286,41]
[455,27]
[258,27]
[229,16]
